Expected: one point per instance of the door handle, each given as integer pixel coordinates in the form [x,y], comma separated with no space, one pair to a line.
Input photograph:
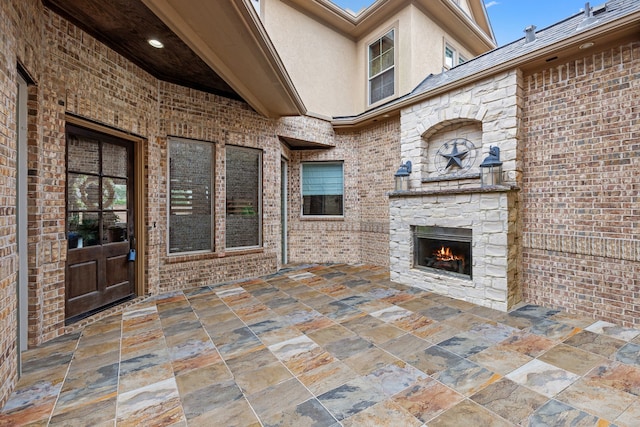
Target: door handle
[132,250]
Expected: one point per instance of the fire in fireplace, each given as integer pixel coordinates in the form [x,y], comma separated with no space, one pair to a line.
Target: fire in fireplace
[443,248]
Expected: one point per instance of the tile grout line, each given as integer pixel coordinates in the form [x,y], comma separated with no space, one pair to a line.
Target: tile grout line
[53,408]
[244,395]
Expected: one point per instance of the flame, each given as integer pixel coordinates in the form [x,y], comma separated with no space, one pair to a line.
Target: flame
[445,254]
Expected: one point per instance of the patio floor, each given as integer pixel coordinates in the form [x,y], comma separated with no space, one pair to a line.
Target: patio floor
[331,345]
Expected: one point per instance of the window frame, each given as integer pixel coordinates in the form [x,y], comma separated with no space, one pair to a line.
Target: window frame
[212,198]
[321,216]
[456,59]
[392,68]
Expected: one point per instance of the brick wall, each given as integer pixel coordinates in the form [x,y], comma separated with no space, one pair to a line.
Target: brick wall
[379,152]
[371,157]
[69,68]
[580,185]
[24,18]
[72,82]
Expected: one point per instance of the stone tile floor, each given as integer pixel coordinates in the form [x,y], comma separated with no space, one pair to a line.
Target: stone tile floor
[331,345]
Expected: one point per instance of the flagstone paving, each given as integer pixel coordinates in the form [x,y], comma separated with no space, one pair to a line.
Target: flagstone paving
[330,345]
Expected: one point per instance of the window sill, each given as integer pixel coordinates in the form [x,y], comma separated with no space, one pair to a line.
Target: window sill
[241,251]
[322,218]
[196,256]
[202,256]
[381,101]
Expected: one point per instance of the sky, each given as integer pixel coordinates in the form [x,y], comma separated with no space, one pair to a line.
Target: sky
[510,17]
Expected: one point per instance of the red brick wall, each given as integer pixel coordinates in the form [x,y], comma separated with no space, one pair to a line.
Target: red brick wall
[581,154]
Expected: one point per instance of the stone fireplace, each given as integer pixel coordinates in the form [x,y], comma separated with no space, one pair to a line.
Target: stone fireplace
[450,232]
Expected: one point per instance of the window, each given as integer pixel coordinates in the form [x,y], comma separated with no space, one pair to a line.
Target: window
[190,188]
[381,68]
[449,54]
[452,57]
[244,197]
[322,189]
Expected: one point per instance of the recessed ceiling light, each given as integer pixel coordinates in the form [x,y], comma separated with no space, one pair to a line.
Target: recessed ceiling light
[586,45]
[156,43]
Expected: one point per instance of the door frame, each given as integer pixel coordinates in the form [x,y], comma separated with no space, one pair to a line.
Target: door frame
[22,227]
[139,179]
[284,209]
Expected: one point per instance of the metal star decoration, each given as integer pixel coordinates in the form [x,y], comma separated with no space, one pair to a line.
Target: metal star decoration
[455,157]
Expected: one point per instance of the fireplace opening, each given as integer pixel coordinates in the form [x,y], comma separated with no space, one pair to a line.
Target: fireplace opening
[444,249]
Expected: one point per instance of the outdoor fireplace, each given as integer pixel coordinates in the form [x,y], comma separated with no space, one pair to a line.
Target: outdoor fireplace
[447,250]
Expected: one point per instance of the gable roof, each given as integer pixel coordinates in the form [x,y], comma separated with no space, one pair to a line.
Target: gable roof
[612,20]
[476,29]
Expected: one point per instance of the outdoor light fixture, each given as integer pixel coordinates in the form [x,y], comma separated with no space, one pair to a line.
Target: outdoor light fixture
[402,176]
[156,43]
[491,169]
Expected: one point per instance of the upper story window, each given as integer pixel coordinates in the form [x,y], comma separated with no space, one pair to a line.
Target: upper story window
[382,68]
[452,57]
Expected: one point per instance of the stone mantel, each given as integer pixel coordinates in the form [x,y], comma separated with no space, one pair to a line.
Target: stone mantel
[445,191]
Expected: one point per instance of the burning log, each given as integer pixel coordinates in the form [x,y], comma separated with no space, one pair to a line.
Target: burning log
[444,259]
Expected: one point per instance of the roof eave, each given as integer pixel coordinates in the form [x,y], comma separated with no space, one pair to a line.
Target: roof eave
[231,39]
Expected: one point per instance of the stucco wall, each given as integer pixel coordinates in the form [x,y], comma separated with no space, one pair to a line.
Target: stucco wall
[580,185]
[321,61]
[329,68]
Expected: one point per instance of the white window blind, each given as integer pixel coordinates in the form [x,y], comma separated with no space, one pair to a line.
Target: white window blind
[322,179]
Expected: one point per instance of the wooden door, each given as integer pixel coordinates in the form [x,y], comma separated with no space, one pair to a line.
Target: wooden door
[100,223]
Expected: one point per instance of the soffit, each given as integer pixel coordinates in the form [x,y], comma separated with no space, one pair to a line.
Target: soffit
[302,144]
[230,38]
[126,25]
[214,46]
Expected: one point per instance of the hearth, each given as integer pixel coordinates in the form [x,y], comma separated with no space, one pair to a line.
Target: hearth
[443,249]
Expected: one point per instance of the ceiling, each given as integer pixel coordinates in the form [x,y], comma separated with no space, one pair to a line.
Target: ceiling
[126,25]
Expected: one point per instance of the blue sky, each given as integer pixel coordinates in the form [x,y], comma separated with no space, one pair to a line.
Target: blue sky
[510,17]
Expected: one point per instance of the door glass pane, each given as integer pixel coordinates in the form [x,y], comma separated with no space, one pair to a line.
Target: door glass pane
[114,224]
[83,154]
[97,190]
[114,193]
[83,192]
[243,221]
[83,229]
[114,160]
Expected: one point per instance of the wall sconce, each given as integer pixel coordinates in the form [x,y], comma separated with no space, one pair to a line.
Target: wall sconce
[402,176]
[491,169]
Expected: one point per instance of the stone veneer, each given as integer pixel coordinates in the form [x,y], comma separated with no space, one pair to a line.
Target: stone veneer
[487,114]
